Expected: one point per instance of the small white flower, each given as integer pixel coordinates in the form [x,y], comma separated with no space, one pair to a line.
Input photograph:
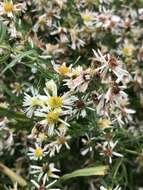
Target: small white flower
[79,79]
[87,143]
[41,23]
[44,172]
[108,151]
[54,101]
[109,188]
[51,118]
[124,115]
[81,106]
[37,153]
[115,95]
[110,63]
[31,102]
[8,8]
[61,139]
[17,88]
[76,41]
[62,32]
[47,187]
[88,17]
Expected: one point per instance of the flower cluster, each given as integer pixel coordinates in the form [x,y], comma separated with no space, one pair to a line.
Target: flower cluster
[71,94]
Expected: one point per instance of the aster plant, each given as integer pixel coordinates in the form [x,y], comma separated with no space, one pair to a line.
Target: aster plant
[71,95]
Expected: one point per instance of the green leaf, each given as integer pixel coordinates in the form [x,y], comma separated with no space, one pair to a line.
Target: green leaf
[21,121]
[12,175]
[97,170]
[12,114]
[6,54]
[16,60]
[116,167]
[2,32]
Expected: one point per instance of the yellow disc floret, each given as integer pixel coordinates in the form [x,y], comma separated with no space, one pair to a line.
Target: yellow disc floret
[61,139]
[63,69]
[87,18]
[42,22]
[8,7]
[53,116]
[55,101]
[61,126]
[38,152]
[17,87]
[126,51]
[103,123]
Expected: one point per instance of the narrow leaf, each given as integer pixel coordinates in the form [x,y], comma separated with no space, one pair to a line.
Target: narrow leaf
[16,60]
[12,175]
[98,170]
[2,32]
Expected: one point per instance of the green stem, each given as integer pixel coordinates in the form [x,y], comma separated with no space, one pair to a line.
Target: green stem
[132,152]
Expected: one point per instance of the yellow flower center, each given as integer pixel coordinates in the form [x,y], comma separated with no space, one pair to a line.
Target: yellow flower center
[8,7]
[35,101]
[76,73]
[51,47]
[42,22]
[53,116]
[55,102]
[87,30]
[126,51]
[63,69]
[61,139]
[109,188]
[38,152]
[103,123]
[17,87]
[61,126]
[87,18]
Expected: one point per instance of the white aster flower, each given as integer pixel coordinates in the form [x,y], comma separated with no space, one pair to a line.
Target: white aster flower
[116,95]
[62,69]
[75,40]
[47,187]
[110,63]
[87,142]
[37,153]
[41,23]
[8,8]
[44,172]
[31,102]
[108,150]
[50,118]
[54,101]
[109,188]
[88,17]
[104,123]
[17,88]
[61,139]
[62,32]
[124,114]
[81,106]
[79,79]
